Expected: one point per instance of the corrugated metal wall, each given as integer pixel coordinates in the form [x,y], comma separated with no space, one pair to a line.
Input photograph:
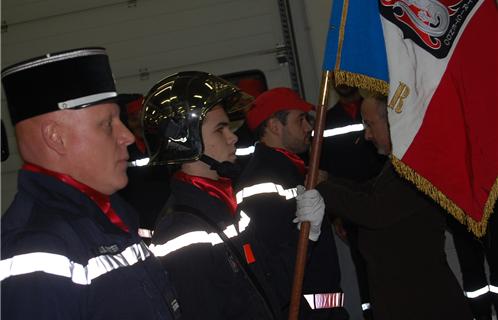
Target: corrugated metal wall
[146,40]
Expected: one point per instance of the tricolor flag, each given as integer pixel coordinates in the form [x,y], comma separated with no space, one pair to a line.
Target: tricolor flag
[442,76]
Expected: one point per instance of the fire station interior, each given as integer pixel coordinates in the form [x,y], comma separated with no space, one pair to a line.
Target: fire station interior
[271,43]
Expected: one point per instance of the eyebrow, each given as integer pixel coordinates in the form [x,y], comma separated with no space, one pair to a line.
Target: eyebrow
[221,124]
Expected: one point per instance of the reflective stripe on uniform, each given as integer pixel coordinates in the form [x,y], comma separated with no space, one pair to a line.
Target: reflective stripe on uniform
[365,306]
[325,300]
[493,289]
[244,151]
[197,237]
[476,293]
[145,233]
[60,265]
[341,130]
[139,162]
[267,187]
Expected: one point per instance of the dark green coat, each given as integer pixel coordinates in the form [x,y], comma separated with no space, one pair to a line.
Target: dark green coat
[402,237]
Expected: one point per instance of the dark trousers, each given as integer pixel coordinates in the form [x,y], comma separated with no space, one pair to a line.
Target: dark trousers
[472,254]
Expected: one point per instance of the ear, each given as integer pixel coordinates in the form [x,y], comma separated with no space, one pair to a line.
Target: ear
[53,136]
[275,126]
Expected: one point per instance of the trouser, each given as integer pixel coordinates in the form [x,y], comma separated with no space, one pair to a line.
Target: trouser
[472,253]
[359,263]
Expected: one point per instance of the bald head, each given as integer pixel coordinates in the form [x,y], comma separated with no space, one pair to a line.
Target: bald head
[89,144]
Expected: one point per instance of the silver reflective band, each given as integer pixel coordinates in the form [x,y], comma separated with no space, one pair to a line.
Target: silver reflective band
[244,221]
[145,233]
[139,162]
[342,130]
[477,293]
[325,300]
[84,101]
[244,151]
[60,265]
[54,58]
[197,237]
[267,187]
[365,306]
[493,289]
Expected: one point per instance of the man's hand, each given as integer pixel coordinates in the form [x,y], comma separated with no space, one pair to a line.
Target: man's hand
[310,207]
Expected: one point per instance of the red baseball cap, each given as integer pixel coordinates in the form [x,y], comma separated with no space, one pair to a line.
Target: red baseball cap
[272,101]
[254,87]
[135,105]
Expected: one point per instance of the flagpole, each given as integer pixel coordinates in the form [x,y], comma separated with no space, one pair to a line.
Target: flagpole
[316,148]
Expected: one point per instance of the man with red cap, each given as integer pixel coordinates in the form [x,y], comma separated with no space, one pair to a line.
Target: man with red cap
[267,191]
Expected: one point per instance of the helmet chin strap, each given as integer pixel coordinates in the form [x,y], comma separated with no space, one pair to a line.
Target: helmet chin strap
[224,169]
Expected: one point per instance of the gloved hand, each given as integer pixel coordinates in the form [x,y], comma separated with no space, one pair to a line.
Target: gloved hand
[310,207]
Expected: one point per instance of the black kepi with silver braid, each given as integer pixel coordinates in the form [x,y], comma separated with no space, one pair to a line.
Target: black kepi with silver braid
[58,81]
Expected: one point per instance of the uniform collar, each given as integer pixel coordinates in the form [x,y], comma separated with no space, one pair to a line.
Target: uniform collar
[100,199]
[296,160]
[221,188]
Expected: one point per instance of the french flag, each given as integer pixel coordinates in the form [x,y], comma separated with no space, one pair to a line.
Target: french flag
[441,71]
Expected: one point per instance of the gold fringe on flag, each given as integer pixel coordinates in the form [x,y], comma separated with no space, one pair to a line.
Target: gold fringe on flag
[361,81]
[424,185]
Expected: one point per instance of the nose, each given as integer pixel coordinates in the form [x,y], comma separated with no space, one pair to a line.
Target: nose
[368,135]
[232,137]
[125,135]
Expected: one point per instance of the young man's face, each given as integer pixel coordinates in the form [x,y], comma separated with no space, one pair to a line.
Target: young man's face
[97,147]
[376,126]
[296,134]
[219,140]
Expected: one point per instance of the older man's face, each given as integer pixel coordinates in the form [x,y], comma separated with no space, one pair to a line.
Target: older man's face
[97,147]
[376,125]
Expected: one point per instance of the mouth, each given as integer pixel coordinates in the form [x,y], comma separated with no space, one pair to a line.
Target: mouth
[124,160]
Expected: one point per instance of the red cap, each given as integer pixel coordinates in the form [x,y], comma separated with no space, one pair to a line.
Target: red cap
[135,105]
[272,101]
[254,87]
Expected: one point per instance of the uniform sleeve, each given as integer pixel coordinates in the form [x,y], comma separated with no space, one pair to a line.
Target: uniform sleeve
[37,284]
[188,260]
[41,296]
[384,204]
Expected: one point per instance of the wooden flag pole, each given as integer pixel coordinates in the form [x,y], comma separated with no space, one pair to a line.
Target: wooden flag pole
[316,148]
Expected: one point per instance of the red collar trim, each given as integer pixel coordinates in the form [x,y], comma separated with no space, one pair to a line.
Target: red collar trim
[100,199]
[221,188]
[351,108]
[298,162]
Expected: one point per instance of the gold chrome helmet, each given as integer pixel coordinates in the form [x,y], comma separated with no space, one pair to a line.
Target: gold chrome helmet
[174,109]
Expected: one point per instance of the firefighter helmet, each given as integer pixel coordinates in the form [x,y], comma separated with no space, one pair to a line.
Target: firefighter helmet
[174,109]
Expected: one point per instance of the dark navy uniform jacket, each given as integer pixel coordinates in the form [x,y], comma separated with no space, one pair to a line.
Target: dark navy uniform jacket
[209,278]
[266,191]
[63,259]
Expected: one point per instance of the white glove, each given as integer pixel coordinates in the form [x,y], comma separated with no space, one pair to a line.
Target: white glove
[310,207]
